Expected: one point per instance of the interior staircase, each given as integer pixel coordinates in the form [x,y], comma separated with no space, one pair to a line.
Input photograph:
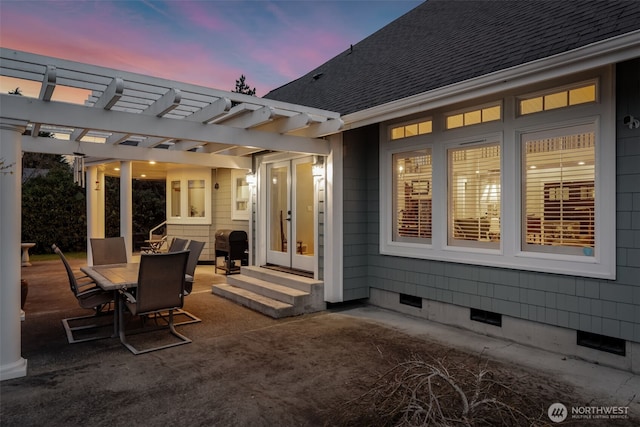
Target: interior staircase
[274,293]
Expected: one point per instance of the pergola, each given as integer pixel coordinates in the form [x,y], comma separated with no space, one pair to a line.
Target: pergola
[128,118]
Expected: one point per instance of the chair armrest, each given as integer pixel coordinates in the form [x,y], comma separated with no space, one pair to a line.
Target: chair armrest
[128,296]
[84,281]
[89,291]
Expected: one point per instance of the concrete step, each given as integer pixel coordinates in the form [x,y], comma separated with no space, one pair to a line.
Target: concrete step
[268,289]
[302,283]
[268,306]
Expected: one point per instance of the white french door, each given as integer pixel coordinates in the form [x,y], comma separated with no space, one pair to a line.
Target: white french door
[290,214]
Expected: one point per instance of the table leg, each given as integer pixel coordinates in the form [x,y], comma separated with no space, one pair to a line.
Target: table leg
[117,317]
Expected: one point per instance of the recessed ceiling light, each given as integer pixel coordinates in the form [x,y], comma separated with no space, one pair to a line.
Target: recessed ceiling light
[143,175]
[532,167]
[116,169]
[152,162]
[581,163]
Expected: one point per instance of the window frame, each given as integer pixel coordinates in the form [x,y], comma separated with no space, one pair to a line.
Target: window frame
[184,176]
[239,214]
[509,130]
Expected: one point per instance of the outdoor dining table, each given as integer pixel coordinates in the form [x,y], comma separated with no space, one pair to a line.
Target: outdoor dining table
[114,277]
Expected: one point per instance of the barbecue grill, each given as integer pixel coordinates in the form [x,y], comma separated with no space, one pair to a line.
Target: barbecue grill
[233,246]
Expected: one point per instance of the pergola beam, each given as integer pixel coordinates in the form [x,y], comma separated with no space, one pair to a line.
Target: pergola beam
[75,116]
[128,152]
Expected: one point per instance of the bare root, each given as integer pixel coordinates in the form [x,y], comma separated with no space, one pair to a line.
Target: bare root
[420,393]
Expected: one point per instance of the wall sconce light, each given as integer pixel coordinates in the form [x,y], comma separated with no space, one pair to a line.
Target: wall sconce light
[317,169]
[251,179]
[97,187]
[631,121]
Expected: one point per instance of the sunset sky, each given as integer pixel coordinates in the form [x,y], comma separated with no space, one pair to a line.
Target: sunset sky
[205,42]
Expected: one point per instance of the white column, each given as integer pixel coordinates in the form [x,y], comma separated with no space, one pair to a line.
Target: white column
[101,194]
[12,365]
[126,204]
[93,190]
[333,226]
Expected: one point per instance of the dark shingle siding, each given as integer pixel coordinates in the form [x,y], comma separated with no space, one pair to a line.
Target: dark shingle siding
[444,42]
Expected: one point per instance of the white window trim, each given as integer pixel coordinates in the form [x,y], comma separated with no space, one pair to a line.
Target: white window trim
[184,176]
[510,255]
[237,214]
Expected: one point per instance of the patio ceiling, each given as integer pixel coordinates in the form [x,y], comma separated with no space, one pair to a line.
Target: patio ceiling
[129,116]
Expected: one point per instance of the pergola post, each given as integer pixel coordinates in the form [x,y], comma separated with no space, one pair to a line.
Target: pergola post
[12,365]
[126,204]
[95,207]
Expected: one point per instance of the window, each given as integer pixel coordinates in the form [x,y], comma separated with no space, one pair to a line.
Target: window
[412,203]
[412,129]
[551,100]
[558,190]
[474,195]
[240,195]
[175,198]
[534,192]
[473,116]
[189,196]
[196,198]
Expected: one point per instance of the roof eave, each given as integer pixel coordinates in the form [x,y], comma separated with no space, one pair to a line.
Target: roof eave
[605,52]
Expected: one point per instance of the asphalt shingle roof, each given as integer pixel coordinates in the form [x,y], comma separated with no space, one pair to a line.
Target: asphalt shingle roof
[442,42]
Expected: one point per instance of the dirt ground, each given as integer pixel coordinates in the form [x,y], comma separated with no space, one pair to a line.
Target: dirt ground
[244,369]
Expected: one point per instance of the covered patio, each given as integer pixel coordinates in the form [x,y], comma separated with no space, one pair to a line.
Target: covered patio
[106,117]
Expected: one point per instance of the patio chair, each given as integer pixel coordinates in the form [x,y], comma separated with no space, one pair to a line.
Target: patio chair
[160,290]
[178,244]
[110,250]
[89,296]
[195,249]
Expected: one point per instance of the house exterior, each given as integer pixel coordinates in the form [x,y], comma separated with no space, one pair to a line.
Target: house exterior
[471,163]
[490,170]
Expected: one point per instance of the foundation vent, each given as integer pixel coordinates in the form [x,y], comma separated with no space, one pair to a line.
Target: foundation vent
[411,300]
[602,343]
[488,317]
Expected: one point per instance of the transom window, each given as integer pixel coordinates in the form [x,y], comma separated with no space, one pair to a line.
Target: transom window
[554,99]
[474,116]
[412,129]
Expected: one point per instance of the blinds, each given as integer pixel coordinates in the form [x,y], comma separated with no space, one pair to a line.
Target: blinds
[474,194]
[558,190]
[412,201]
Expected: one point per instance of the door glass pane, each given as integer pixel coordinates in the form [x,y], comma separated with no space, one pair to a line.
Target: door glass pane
[196,198]
[304,209]
[278,209]
[175,198]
